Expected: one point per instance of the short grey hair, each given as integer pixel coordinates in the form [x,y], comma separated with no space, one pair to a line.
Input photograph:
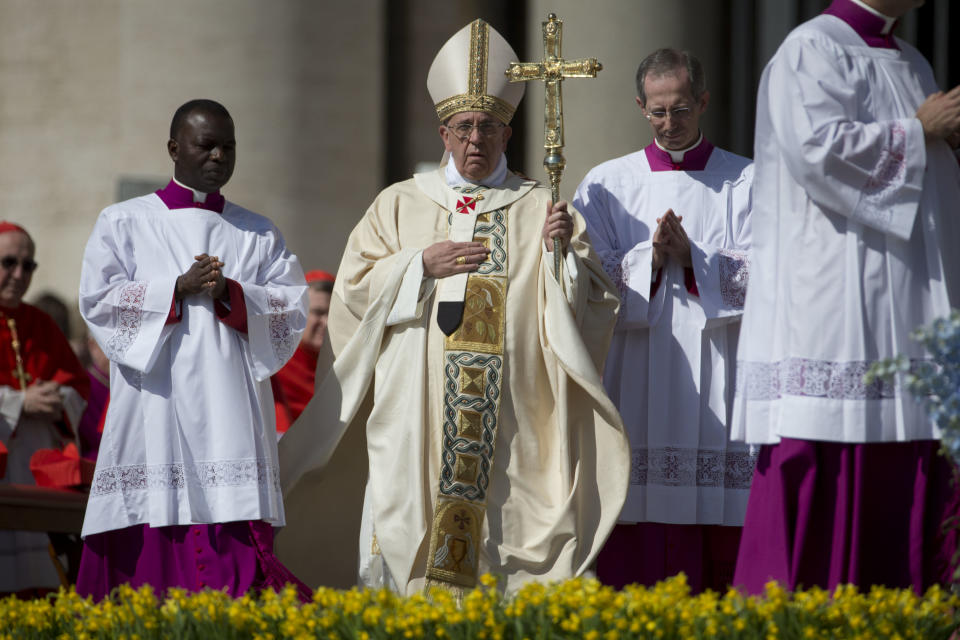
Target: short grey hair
[669,61]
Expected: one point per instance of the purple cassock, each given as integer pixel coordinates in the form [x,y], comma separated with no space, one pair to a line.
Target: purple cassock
[693,160]
[829,513]
[648,552]
[235,556]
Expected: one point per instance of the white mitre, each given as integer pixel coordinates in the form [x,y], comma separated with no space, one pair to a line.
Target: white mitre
[468,74]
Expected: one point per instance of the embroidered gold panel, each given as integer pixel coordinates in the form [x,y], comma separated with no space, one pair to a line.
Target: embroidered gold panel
[473,383]
[477,66]
[481,329]
[469,423]
[457,527]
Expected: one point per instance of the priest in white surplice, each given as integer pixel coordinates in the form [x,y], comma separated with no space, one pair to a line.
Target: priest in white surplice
[855,243]
[671,224]
[196,301]
[492,445]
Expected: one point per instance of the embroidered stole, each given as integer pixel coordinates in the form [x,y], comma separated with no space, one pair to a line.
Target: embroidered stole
[472,385]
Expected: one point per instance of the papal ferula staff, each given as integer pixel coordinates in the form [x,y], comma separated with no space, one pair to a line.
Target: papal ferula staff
[492,445]
[551,70]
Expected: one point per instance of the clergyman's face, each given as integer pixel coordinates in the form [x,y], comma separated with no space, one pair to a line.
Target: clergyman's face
[319,308]
[477,154]
[671,109]
[15,250]
[204,151]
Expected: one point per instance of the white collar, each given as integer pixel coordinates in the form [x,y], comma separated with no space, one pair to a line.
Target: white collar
[889,21]
[677,156]
[198,196]
[495,179]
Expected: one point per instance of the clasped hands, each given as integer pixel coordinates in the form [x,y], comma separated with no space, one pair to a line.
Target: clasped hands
[43,400]
[940,116]
[204,276]
[670,241]
[447,258]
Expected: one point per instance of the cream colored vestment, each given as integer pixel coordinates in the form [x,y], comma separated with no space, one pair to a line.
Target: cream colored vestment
[561,465]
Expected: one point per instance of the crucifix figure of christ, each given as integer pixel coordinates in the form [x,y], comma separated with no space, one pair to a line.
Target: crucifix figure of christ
[552,70]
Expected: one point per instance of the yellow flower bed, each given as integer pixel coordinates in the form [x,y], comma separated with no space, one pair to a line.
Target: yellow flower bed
[576,608]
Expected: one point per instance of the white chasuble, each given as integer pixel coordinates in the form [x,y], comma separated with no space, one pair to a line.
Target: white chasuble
[670,369]
[189,435]
[855,237]
[505,421]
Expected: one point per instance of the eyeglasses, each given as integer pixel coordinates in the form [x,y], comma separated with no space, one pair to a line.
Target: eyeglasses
[463,130]
[678,113]
[10,262]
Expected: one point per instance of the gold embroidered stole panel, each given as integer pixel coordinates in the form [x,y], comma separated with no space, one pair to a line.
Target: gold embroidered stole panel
[472,386]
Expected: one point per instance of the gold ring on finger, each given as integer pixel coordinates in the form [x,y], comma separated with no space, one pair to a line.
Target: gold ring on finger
[461,260]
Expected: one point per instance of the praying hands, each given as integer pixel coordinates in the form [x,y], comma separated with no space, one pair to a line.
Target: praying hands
[670,241]
[940,116]
[204,276]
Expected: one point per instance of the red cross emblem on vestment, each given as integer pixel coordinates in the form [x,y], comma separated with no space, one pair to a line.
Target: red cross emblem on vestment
[466,205]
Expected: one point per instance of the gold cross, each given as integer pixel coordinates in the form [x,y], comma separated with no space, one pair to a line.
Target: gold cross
[552,70]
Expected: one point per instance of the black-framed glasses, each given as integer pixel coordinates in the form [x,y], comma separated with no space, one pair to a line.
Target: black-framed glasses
[678,113]
[463,130]
[10,262]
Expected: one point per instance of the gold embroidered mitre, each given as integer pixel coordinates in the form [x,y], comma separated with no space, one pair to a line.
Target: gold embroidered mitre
[468,74]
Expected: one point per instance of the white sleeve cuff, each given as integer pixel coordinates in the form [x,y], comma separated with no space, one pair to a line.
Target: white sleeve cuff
[73,406]
[568,276]
[11,406]
[414,291]
[637,310]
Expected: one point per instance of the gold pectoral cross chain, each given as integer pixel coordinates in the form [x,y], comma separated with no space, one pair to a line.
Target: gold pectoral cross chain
[19,373]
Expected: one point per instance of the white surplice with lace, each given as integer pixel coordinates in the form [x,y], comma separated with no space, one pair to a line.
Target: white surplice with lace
[670,369]
[856,230]
[189,435]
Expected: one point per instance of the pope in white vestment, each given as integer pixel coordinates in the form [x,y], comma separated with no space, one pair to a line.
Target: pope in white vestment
[670,369]
[189,439]
[855,237]
[492,446]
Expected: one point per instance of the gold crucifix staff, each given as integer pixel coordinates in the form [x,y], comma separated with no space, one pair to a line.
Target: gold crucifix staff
[552,70]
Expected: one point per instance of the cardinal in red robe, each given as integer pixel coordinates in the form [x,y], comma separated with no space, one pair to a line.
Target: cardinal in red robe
[293,384]
[43,391]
